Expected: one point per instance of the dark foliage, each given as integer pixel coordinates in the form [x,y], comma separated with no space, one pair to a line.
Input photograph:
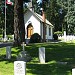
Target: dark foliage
[55,36]
[27,0]
[35,38]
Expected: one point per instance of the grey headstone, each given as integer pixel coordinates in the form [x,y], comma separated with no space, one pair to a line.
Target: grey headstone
[23,56]
[42,54]
[8,52]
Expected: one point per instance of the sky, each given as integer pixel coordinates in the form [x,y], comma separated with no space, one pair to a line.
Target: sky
[39,1]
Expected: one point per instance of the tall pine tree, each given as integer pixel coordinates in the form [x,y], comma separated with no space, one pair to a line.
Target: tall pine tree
[71,17]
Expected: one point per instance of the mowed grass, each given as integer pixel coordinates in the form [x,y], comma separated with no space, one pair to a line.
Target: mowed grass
[60,59]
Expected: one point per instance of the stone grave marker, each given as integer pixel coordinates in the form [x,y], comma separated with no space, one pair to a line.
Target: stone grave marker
[19,68]
[64,36]
[42,54]
[73,71]
[23,55]
[8,52]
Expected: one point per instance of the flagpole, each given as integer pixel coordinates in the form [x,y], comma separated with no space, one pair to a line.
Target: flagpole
[5,38]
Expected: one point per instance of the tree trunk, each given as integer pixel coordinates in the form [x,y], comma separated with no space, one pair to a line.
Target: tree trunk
[19,28]
[0,2]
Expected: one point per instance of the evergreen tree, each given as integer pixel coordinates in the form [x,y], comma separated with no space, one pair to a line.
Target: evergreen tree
[9,17]
[1,16]
[71,17]
[53,14]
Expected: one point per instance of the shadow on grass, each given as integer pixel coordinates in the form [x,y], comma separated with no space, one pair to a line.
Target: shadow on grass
[48,69]
[54,51]
[14,52]
[58,52]
[3,58]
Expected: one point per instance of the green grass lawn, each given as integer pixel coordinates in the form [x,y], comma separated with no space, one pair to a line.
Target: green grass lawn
[57,54]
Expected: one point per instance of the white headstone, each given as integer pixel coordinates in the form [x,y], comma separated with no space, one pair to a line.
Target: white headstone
[73,71]
[64,36]
[19,68]
[8,52]
[42,54]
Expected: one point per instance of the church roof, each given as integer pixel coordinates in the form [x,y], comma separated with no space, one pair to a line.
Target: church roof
[41,18]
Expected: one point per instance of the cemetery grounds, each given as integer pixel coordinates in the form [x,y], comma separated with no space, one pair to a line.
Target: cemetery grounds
[59,57]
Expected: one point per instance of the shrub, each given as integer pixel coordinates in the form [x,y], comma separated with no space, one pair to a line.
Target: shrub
[59,33]
[35,38]
[1,35]
[1,31]
[55,36]
[10,36]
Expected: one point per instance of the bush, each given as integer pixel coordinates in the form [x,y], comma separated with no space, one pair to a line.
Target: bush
[1,31]
[1,35]
[55,36]
[59,33]
[10,36]
[35,38]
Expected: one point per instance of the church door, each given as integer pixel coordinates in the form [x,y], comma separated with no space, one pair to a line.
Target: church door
[29,30]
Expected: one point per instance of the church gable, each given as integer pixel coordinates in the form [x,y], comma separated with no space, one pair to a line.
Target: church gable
[30,15]
[37,16]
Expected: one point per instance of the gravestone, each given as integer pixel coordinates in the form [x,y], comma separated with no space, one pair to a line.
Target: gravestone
[42,54]
[23,55]
[64,36]
[19,68]
[8,52]
[73,71]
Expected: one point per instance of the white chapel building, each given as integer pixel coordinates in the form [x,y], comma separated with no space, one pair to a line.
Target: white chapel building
[34,24]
